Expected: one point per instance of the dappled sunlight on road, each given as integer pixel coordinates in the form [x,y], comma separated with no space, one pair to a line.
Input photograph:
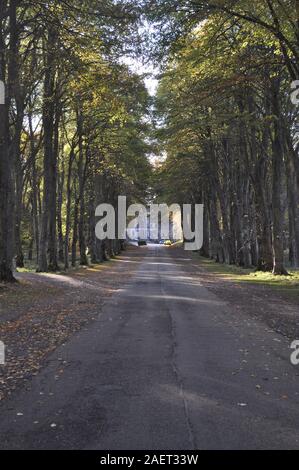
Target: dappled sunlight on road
[169,392]
[181,299]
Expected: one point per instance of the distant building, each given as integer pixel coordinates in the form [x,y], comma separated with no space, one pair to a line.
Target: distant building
[151,232]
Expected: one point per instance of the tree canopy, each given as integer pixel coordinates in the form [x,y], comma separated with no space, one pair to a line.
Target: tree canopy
[78,126]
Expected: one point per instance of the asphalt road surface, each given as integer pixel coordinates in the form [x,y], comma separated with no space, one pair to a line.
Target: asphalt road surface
[166,366]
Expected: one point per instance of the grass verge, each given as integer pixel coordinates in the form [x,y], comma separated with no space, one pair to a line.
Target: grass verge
[288,285]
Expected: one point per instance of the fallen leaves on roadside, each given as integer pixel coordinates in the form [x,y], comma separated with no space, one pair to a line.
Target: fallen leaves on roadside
[38,315]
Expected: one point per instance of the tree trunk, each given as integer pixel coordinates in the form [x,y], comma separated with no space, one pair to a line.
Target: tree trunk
[216,240]
[277,174]
[6,165]
[33,153]
[205,251]
[293,198]
[68,209]
[16,156]
[59,216]
[82,179]
[48,229]
[75,233]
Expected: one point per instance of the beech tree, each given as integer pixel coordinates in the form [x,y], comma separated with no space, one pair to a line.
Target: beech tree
[229,124]
[75,125]
[71,127]
[278,19]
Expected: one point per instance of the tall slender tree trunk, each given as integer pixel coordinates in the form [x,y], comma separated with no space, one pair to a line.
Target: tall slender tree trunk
[19,177]
[264,239]
[82,167]
[6,201]
[15,147]
[59,216]
[75,232]
[33,154]
[6,165]
[277,175]
[48,229]
[18,217]
[292,167]
[205,251]
[68,209]
[216,239]
[92,243]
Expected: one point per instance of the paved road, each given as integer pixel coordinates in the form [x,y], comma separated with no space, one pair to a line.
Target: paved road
[166,365]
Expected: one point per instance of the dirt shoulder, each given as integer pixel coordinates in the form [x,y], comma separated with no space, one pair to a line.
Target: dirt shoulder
[264,297]
[42,311]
